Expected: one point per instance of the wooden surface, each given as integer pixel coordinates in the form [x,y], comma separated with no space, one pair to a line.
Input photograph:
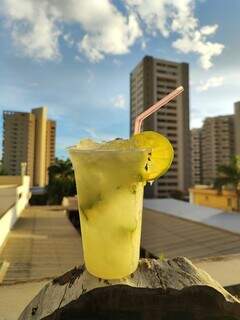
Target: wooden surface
[164,290]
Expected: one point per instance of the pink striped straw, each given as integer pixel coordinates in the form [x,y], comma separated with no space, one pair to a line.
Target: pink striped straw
[161,103]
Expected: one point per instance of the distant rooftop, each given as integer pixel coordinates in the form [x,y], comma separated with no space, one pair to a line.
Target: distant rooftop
[209,216]
[164,234]
[168,228]
[13,111]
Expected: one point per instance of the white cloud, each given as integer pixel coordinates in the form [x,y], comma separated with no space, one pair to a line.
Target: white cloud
[143,44]
[117,62]
[113,35]
[119,101]
[98,135]
[196,122]
[34,30]
[36,27]
[90,76]
[91,132]
[78,58]
[213,82]
[207,30]
[170,16]
[68,39]
[196,42]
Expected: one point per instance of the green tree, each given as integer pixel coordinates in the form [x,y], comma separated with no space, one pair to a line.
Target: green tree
[229,175]
[3,172]
[61,181]
[177,194]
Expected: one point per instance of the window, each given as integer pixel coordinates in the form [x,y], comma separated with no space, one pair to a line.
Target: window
[166,80]
[161,71]
[161,64]
[171,66]
[171,114]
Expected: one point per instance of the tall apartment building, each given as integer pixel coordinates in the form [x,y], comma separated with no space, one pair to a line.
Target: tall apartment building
[150,81]
[218,145]
[50,144]
[196,156]
[219,140]
[29,137]
[237,126]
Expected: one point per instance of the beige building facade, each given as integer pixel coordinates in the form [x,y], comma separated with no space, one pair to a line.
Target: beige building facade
[196,156]
[218,145]
[50,144]
[237,126]
[150,81]
[219,140]
[30,138]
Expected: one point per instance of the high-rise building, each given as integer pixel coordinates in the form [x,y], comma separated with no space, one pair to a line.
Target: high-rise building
[219,142]
[50,144]
[237,126]
[30,138]
[196,156]
[218,145]
[150,81]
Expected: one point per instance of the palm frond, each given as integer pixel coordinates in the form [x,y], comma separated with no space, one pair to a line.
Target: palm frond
[228,174]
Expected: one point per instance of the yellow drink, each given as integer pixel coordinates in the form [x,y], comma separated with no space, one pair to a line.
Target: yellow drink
[110,178]
[110,195]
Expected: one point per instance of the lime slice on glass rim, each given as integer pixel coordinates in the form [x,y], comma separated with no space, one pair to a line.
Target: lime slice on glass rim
[160,154]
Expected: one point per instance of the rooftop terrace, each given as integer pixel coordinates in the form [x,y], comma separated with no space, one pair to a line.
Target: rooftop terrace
[42,244]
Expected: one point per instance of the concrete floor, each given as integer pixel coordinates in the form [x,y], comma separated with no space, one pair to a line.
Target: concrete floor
[14,298]
[42,244]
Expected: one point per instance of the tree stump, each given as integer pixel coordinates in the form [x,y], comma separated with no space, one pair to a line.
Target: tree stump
[164,290]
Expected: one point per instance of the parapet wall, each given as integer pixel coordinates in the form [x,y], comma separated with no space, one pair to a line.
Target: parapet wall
[20,195]
[10,180]
[225,200]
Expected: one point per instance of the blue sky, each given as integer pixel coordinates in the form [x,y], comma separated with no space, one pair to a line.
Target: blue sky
[75,57]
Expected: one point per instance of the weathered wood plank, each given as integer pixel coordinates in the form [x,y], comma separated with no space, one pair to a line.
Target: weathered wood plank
[168,289]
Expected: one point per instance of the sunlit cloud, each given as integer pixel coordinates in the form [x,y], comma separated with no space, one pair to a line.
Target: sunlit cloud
[37,26]
[167,17]
[119,101]
[213,82]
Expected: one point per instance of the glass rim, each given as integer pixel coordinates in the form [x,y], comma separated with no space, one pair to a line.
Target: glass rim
[76,150]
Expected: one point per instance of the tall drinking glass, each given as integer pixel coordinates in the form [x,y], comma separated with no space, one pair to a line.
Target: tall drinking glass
[110,198]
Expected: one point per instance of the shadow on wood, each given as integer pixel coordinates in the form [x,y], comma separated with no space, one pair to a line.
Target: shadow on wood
[163,290]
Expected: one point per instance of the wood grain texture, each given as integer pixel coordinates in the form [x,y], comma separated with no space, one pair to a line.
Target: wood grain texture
[164,290]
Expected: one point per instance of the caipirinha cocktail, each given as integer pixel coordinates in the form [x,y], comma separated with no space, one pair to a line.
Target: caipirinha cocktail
[110,178]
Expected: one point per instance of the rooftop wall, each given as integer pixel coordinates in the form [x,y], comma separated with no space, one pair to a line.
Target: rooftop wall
[226,200]
[10,180]
[19,195]
[8,196]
